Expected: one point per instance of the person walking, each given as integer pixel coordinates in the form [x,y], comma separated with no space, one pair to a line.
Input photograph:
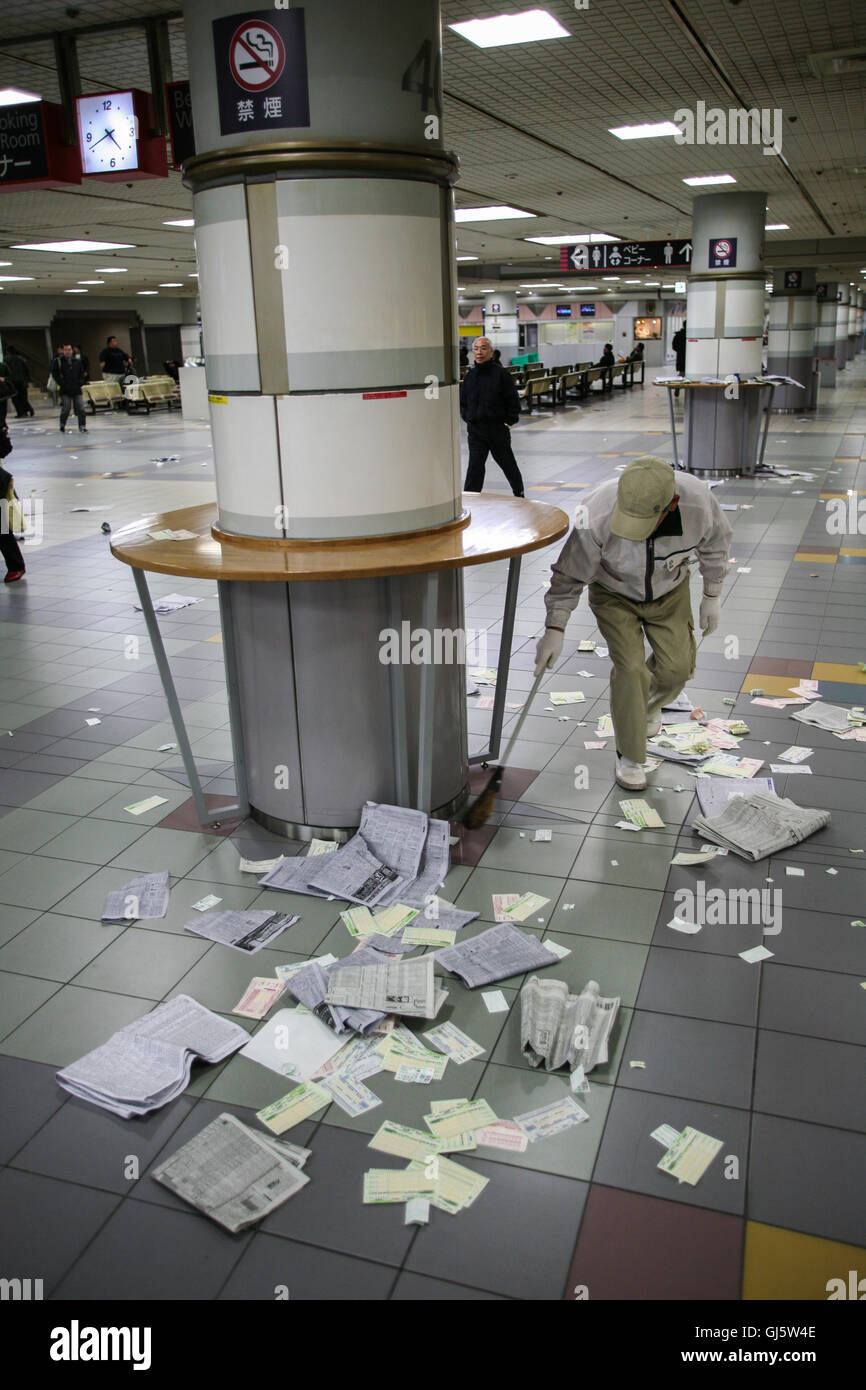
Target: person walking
[79,354]
[9,547]
[115,363]
[631,544]
[19,375]
[69,374]
[489,403]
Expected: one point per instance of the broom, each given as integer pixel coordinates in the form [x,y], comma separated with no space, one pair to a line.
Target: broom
[481,809]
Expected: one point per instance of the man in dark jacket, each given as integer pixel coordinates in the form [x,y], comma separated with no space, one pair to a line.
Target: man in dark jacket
[19,375]
[678,343]
[114,362]
[489,403]
[69,374]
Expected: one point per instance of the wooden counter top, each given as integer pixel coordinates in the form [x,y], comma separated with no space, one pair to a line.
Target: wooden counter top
[498,527]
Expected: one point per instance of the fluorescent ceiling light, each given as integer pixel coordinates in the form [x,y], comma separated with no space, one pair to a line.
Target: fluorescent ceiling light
[494,213]
[91,282]
[111,269]
[530,26]
[5,262]
[643,132]
[74,246]
[148,291]
[572,240]
[14,96]
[467,258]
[582,289]
[169,284]
[777,227]
[700,180]
[76,291]
[193,275]
[17,277]
[652,284]
[181,222]
[610,277]
[632,282]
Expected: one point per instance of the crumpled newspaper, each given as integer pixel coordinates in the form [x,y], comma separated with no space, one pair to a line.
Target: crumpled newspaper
[558,1028]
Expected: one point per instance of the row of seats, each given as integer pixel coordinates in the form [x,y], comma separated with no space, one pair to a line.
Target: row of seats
[561,384]
[140,395]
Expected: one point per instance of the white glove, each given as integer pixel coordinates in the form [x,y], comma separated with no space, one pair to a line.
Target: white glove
[710,608]
[549,649]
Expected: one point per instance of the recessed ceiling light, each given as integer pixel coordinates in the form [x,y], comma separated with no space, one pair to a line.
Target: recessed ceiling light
[148,291]
[777,227]
[495,213]
[5,262]
[698,181]
[570,239]
[76,291]
[632,282]
[610,277]
[643,132]
[530,26]
[542,285]
[91,282]
[111,270]
[17,277]
[193,275]
[180,222]
[582,289]
[14,96]
[467,258]
[73,246]
[169,284]
[652,284]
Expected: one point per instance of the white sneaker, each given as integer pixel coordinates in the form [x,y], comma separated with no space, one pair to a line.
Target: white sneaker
[653,725]
[630,775]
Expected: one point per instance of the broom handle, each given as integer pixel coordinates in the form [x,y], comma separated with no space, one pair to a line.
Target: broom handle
[520,718]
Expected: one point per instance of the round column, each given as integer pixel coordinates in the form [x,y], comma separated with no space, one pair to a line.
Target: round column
[852,322]
[842,303]
[825,332]
[500,323]
[791,338]
[724,329]
[325,240]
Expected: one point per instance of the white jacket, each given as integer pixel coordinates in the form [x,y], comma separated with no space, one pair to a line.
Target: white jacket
[639,570]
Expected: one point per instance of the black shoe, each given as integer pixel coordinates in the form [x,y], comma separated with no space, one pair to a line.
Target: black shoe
[62,429]
[82,429]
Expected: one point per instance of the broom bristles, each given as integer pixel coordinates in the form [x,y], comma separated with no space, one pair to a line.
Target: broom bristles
[480,813]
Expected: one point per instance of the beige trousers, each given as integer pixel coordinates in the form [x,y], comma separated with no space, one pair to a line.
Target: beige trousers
[640,687]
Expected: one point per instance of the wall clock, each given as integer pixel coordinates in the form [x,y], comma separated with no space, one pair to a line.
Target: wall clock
[116,136]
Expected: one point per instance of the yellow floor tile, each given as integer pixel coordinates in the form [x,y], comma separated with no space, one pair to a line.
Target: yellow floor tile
[771,685]
[781,1264]
[217,637]
[850,550]
[815,559]
[837,671]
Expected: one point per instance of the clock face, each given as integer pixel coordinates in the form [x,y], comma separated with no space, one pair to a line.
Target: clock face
[107,132]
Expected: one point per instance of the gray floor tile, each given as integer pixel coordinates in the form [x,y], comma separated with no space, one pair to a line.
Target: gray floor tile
[700,986]
[141,964]
[44,884]
[610,910]
[418,1288]
[47,1224]
[807,1177]
[819,1003]
[307,1274]
[56,947]
[29,1096]
[693,1058]
[72,1021]
[792,1076]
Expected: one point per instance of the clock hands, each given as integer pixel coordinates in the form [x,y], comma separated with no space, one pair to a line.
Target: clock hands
[109,135]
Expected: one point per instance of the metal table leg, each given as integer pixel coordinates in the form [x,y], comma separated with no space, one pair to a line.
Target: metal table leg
[227,619]
[504,665]
[398,703]
[673,426]
[206,817]
[428,696]
[772,386]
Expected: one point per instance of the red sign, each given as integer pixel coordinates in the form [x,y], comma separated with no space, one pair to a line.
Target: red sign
[382,395]
[257,55]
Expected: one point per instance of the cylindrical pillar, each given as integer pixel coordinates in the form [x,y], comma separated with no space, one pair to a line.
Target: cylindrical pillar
[500,323]
[825,332]
[325,241]
[791,338]
[724,328]
[852,322]
[842,303]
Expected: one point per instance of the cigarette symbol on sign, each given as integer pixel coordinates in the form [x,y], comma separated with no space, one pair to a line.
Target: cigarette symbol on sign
[257,56]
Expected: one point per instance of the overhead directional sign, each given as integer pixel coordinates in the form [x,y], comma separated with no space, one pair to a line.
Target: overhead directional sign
[626,255]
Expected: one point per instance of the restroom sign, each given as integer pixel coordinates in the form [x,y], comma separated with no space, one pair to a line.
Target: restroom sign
[723,253]
[261,70]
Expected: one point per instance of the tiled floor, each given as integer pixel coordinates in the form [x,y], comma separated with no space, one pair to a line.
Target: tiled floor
[768,1058]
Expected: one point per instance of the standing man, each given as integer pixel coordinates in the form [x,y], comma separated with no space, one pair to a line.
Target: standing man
[489,403]
[19,375]
[115,363]
[69,374]
[631,543]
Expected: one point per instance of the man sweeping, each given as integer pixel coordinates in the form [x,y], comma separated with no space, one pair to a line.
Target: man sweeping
[631,543]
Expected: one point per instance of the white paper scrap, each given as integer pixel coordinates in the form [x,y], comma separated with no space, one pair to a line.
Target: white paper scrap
[756,954]
[495,1001]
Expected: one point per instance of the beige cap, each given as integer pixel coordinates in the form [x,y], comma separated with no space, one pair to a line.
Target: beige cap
[646,489]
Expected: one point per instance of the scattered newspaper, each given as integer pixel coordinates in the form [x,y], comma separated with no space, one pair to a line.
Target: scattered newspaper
[148,1063]
[356,874]
[558,1028]
[396,835]
[234,1174]
[293,875]
[245,931]
[760,825]
[714,795]
[405,987]
[823,716]
[141,899]
[169,603]
[310,986]
[496,954]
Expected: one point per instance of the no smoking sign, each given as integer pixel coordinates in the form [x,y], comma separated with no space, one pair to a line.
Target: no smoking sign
[261,70]
[723,253]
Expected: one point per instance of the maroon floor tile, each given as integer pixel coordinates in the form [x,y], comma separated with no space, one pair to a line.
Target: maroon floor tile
[776,666]
[636,1247]
[472,844]
[185,816]
[515,781]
